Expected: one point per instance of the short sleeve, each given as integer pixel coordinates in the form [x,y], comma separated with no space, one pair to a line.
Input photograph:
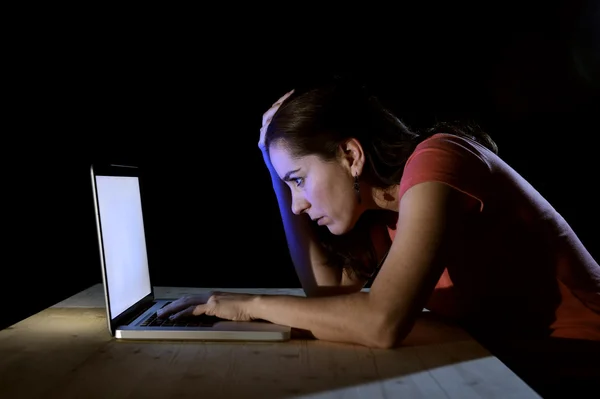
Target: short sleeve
[448,159]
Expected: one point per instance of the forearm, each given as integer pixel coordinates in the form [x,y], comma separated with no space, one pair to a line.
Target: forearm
[305,252]
[342,318]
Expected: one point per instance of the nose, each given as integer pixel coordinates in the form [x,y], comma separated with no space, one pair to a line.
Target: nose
[299,204]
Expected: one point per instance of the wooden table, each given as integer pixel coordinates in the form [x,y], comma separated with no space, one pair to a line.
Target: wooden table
[65,351]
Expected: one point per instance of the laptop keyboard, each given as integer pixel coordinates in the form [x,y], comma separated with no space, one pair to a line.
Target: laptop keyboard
[191,321]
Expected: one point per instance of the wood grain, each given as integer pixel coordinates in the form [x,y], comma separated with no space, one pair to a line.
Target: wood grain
[68,353]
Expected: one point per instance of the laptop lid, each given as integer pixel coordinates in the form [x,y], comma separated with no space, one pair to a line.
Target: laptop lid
[122,241]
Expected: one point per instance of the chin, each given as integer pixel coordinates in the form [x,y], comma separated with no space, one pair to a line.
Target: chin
[339,229]
[336,232]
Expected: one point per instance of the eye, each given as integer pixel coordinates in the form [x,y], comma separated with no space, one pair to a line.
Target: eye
[299,181]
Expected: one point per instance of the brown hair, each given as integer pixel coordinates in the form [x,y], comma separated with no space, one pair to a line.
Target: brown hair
[317,120]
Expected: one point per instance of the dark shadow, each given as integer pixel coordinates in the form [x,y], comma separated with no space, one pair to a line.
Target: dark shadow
[75,346]
[555,367]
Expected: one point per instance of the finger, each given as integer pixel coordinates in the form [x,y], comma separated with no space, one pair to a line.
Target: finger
[189,311]
[174,307]
[282,99]
[199,310]
[267,116]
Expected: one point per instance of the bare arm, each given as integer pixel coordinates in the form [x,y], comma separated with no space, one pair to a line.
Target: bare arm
[429,231]
[316,277]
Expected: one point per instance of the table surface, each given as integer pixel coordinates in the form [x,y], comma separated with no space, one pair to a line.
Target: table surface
[66,351]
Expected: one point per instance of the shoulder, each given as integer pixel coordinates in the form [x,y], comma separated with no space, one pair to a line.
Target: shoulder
[452,146]
[457,162]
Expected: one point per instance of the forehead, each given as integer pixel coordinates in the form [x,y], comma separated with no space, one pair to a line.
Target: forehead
[282,154]
[283,161]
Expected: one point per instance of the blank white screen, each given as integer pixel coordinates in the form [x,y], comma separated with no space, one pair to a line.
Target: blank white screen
[122,227]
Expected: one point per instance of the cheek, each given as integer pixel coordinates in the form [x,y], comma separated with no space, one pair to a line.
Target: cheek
[316,194]
[330,198]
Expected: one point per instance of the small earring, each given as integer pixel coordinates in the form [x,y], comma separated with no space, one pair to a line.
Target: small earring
[357,188]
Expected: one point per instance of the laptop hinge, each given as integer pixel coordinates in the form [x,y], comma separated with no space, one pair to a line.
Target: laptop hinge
[134,311]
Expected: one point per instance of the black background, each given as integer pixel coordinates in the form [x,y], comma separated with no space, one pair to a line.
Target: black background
[184,101]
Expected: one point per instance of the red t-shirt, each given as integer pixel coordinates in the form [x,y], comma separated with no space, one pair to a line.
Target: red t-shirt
[522,271]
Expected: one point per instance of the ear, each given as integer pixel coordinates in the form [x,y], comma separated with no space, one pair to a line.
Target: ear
[352,156]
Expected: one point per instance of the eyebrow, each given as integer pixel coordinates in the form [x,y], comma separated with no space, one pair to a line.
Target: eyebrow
[287,175]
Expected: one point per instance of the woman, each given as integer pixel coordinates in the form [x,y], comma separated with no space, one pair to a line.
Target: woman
[432,219]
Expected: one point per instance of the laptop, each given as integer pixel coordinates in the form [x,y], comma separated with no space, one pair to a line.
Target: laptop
[129,295]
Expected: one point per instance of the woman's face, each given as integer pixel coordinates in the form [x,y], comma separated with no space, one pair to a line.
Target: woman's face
[322,190]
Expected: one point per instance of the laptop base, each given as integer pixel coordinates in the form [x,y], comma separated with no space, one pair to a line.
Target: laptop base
[222,331]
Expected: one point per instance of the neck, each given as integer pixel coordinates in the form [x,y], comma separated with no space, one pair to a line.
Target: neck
[383,198]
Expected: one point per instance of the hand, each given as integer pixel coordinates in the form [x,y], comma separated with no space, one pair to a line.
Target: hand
[225,305]
[267,116]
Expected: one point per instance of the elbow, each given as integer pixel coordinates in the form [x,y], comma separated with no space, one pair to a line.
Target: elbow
[388,335]
[382,343]
[385,341]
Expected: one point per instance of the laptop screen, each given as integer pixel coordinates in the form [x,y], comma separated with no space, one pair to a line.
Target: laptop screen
[122,228]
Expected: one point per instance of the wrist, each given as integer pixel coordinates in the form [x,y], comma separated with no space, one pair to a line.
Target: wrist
[269,165]
[255,306]
[265,155]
